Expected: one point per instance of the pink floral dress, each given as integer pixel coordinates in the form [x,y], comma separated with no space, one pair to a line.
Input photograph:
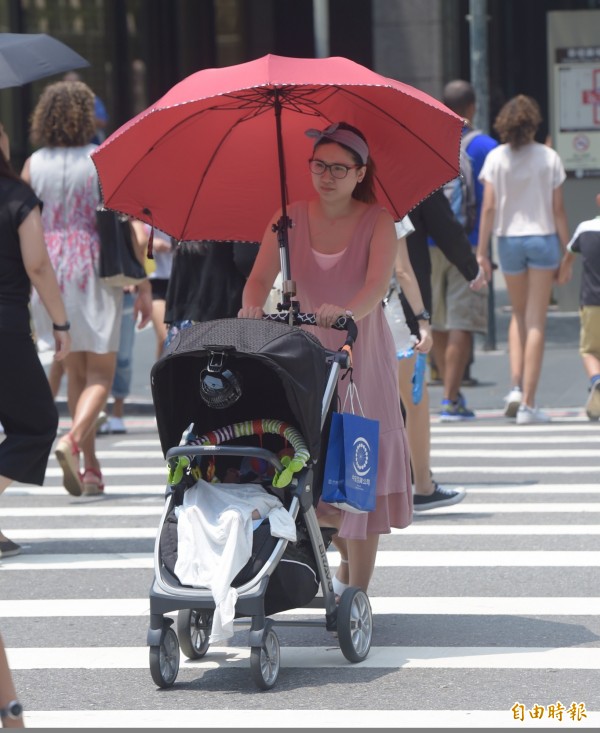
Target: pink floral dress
[65,180]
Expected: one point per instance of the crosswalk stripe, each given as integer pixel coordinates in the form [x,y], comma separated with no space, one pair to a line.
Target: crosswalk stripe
[553,530]
[85,533]
[418,605]
[126,455]
[523,490]
[118,489]
[313,718]
[526,432]
[385,559]
[520,454]
[55,472]
[455,451]
[401,657]
[137,443]
[420,528]
[523,508]
[545,469]
[159,470]
[156,508]
[84,510]
[491,440]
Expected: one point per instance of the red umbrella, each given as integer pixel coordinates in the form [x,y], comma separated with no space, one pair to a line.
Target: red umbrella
[224,148]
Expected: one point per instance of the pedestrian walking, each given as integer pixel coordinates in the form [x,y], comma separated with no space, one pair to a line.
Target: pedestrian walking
[27,409]
[586,242]
[523,206]
[432,218]
[63,175]
[114,424]
[459,311]
[342,249]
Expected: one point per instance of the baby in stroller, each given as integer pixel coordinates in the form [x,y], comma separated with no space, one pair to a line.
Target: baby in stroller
[253,400]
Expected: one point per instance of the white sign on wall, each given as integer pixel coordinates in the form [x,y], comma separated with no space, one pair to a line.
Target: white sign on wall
[577,109]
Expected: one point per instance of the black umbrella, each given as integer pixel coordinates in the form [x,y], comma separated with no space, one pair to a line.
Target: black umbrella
[25,57]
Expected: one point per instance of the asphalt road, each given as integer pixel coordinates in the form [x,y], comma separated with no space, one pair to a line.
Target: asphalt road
[477,608]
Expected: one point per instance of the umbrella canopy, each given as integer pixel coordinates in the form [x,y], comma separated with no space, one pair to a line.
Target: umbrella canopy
[224,148]
[25,57]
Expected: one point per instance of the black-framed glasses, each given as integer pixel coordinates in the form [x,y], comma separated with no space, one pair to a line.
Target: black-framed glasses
[337,170]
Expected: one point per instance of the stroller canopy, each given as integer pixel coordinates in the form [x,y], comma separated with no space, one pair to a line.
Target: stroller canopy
[282,370]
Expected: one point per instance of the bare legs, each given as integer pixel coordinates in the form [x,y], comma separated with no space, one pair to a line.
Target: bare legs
[418,427]
[118,407]
[359,554]
[452,352]
[89,379]
[591,364]
[7,688]
[160,327]
[529,295]
[55,375]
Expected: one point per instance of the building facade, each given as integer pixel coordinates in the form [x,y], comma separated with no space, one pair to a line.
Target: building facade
[138,49]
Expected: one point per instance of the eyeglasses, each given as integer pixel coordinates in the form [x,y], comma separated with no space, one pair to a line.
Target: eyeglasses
[337,170]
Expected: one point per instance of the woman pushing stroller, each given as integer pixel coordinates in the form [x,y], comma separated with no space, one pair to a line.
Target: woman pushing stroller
[343,247]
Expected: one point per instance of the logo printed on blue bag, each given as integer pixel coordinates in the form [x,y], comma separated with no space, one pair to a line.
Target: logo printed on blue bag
[362,454]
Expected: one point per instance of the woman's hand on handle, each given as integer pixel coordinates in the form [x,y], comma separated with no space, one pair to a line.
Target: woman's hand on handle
[251,311]
[327,314]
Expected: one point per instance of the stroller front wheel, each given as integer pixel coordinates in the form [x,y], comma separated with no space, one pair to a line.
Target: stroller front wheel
[265,661]
[193,631]
[355,624]
[164,660]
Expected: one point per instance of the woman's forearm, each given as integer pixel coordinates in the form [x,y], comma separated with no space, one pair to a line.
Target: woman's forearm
[44,281]
[255,293]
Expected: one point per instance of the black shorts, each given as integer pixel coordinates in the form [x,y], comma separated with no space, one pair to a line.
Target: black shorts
[159,288]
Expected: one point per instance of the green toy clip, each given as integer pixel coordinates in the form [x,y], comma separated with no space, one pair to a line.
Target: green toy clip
[177,466]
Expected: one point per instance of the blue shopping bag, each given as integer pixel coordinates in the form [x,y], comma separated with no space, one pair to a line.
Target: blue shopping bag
[350,474]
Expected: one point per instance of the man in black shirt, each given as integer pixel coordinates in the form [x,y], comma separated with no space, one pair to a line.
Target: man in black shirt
[433,218]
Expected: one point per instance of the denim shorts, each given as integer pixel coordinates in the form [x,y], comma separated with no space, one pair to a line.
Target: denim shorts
[518,254]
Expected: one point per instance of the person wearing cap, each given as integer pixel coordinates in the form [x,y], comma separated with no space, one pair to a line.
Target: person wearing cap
[343,247]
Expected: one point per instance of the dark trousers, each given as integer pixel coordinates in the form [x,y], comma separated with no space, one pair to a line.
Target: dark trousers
[27,411]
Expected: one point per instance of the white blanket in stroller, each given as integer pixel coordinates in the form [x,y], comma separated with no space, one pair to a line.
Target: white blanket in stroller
[214,540]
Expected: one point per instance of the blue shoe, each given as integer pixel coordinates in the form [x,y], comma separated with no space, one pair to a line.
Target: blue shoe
[592,406]
[455,411]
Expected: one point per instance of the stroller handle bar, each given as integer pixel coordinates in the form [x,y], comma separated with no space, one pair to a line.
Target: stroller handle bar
[343,323]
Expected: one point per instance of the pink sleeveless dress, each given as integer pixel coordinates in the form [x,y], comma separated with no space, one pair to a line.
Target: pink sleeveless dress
[375,367]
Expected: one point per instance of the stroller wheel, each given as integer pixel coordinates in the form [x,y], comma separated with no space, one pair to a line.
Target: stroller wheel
[265,661]
[193,631]
[164,660]
[354,624]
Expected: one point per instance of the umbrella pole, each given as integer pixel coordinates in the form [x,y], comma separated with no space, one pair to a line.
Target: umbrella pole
[288,286]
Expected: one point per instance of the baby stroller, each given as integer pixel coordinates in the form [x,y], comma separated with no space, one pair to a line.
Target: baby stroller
[240,391]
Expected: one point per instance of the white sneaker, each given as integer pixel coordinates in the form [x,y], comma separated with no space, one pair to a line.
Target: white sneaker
[117,425]
[112,425]
[103,428]
[100,421]
[512,401]
[530,415]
